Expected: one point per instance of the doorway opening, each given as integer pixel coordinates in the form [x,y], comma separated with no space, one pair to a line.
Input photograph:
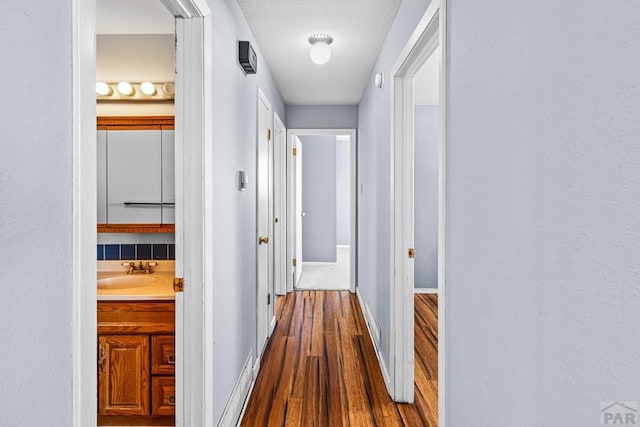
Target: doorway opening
[418,214]
[192,207]
[321,207]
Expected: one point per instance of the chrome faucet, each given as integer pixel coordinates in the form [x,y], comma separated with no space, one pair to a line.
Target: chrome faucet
[146,268]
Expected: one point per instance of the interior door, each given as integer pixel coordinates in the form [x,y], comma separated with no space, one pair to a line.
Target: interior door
[279,205]
[299,215]
[262,239]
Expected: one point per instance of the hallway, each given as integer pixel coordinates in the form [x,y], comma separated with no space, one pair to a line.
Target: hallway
[320,368]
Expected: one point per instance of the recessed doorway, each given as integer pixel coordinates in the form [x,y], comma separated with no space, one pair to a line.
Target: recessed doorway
[321,209]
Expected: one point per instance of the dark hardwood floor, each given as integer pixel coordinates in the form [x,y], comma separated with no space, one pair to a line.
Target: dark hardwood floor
[320,367]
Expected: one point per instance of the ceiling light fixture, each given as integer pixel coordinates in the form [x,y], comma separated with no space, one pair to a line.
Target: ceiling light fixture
[148,88]
[103,89]
[320,51]
[125,88]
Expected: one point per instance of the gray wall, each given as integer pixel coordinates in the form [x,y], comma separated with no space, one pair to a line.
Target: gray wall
[234,148]
[319,198]
[426,196]
[542,205]
[343,196]
[36,215]
[322,116]
[373,175]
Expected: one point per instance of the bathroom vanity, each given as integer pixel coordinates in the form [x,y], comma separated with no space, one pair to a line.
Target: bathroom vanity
[136,347]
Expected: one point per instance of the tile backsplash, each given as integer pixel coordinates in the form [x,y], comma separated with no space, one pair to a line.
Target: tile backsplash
[137,251]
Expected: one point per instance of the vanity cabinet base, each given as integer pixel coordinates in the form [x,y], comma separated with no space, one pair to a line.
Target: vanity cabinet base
[136,363]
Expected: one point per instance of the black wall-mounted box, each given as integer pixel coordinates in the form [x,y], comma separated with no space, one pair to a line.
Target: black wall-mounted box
[247,57]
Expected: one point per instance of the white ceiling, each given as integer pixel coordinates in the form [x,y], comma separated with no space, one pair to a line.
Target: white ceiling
[426,89]
[282,29]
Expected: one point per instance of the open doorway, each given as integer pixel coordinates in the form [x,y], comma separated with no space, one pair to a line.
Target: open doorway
[185,396]
[418,213]
[322,209]
[135,75]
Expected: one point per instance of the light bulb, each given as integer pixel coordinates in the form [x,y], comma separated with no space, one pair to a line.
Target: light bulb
[103,89]
[169,88]
[125,88]
[320,53]
[148,88]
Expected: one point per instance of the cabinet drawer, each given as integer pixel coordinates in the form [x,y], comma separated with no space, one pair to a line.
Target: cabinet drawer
[163,354]
[163,395]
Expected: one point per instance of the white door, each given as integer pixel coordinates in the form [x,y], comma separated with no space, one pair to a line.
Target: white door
[299,215]
[262,239]
[279,205]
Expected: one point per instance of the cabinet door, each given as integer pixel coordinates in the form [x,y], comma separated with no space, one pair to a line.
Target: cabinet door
[134,178]
[164,396]
[123,375]
[101,156]
[168,177]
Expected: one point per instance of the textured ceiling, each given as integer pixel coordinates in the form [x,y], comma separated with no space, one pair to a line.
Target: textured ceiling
[282,27]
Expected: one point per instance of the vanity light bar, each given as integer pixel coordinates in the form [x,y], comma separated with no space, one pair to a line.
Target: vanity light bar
[139,91]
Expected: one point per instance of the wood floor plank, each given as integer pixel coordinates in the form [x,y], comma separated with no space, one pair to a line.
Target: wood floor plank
[320,367]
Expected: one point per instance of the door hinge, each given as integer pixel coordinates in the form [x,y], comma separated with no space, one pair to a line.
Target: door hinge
[412,253]
[268,299]
[275,220]
[295,151]
[178,284]
[294,262]
[268,134]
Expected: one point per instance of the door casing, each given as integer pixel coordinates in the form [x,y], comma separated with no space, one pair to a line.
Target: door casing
[292,218]
[428,35]
[193,240]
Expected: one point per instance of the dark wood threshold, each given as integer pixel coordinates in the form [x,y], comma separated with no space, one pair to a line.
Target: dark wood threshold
[136,228]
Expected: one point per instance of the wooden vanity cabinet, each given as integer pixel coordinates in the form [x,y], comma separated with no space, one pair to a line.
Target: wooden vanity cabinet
[136,363]
[123,375]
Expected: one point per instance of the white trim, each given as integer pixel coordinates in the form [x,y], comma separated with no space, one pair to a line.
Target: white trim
[423,41]
[291,135]
[425,291]
[198,110]
[236,406]
[442,213]
[84,327]
[369,320]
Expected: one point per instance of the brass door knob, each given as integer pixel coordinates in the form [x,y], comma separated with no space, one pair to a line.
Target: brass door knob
[262,240]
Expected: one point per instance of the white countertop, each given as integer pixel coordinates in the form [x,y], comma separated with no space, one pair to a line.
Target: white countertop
[117,285]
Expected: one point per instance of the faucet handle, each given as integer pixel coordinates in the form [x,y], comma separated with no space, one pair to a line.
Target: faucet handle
[127,264]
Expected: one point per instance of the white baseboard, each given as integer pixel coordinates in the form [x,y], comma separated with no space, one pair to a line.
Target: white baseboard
[425,290]
[232,413]
[370,320]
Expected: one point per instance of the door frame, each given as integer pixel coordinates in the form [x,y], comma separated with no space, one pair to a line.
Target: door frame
[194,105]
[291,217]
[430,33]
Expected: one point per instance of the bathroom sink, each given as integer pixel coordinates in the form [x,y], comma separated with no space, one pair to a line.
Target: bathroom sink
[128,281]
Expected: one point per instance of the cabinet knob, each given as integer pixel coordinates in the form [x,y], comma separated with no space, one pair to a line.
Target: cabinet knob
[171,359]
[170,400]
